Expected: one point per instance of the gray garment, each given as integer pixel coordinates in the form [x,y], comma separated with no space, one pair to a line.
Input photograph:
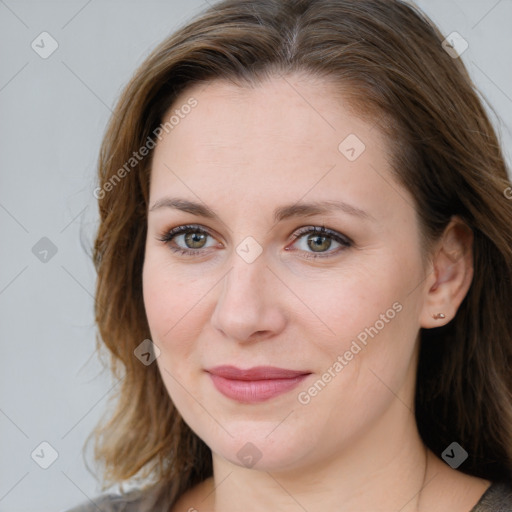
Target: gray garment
[497,498]
[133,501]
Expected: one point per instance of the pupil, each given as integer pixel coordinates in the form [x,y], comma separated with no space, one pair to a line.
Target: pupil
[319,241]
[194,238]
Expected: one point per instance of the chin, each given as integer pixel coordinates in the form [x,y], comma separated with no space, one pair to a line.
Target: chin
[252,447]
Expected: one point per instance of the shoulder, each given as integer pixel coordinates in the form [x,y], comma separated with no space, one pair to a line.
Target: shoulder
[497,498]
[128,502]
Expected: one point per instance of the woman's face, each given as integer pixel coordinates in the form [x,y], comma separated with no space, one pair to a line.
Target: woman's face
[258,287]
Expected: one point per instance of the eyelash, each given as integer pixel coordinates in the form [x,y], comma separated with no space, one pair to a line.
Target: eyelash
[168,236]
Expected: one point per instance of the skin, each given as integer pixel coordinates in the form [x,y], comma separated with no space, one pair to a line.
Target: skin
[354,446]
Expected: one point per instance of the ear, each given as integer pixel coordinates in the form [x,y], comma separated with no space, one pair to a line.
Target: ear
[450,276]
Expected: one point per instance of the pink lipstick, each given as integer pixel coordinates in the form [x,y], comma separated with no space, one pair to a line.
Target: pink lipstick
[255,384]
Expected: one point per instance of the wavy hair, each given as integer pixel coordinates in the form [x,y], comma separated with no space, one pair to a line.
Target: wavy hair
[386,57]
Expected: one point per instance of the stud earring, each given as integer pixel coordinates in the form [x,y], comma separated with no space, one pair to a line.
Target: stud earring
[437,316]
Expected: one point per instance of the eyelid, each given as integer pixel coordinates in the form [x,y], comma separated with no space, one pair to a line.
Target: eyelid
[169,235]
[344,241]
[322,230]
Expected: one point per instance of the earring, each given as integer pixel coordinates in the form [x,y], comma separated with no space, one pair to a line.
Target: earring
[437,316]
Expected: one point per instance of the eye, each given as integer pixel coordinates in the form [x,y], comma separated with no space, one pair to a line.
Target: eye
[194,238]
[320,239]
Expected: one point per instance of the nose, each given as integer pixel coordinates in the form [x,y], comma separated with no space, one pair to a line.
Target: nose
[248,307]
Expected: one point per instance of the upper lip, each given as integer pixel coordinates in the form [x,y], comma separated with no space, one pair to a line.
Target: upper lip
[255,373]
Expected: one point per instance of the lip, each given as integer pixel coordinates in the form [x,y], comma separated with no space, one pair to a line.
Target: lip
[255,384]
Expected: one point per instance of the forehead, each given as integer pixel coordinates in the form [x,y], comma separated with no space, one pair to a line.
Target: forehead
[287,136]
[297,108]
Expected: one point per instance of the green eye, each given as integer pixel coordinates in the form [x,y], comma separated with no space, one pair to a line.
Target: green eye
[319,240]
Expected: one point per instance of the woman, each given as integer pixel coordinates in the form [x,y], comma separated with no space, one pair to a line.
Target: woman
[305,269]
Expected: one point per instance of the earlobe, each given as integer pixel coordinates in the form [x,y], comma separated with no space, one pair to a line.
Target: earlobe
[452,273]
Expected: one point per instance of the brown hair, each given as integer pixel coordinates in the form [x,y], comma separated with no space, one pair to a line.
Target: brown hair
[387,59]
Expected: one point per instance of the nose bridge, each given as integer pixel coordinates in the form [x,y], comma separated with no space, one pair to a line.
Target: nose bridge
[244,286]
[246,303]
[248,275]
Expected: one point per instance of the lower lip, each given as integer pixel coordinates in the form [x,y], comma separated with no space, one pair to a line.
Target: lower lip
[250,391]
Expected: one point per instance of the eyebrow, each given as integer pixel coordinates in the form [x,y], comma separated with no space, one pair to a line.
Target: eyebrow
[280,214]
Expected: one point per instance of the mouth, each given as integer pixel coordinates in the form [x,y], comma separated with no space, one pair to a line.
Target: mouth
[254,384]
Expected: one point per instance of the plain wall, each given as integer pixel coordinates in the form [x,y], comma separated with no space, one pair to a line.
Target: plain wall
[53,114]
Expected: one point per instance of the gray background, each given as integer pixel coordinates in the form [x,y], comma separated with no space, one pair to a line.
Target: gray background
[53,114]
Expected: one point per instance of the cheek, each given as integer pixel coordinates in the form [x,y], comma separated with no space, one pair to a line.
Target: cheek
[341,305]
[169,305]
[168,301]
[368,325]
